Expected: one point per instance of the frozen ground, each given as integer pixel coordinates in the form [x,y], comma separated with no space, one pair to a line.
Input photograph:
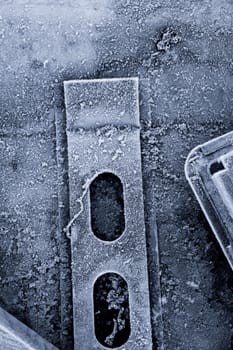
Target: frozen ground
[184,49]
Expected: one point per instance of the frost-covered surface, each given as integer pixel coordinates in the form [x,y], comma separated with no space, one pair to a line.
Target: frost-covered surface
[15,335]
[185,50]
[101,148]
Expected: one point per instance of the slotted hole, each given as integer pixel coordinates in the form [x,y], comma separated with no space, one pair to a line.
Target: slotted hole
[111,310]
[216,167]
[107,207]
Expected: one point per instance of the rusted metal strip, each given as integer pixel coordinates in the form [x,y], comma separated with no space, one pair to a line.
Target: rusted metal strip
[103,132]
[66,334]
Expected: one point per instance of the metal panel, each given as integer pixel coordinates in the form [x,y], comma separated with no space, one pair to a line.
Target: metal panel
[209,170]
[15,335]
[104,136]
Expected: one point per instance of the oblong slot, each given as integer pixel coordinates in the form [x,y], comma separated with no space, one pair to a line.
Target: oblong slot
[107,207]
[111,310]
[215,167]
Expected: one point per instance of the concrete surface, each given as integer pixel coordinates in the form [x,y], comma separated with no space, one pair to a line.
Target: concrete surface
[184,48]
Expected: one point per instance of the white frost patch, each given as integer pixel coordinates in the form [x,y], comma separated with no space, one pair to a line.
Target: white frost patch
[164,300]
[95,10]
[117,154]
[192,284]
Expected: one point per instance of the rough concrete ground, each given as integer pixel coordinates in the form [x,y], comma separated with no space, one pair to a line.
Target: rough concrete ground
[185,50]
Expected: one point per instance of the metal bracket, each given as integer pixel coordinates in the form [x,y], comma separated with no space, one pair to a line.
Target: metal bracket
[209,170]
[103,133]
